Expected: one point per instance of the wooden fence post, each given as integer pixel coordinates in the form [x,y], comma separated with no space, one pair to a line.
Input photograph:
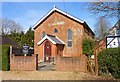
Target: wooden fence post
[10,50]
[96,64]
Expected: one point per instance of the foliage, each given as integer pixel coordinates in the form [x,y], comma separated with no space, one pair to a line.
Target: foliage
[88,46]
[5,58]
[109,62]
[106,9]
[30,37]
[22,38]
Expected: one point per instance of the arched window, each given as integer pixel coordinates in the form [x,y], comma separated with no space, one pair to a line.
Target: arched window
[69,38]
[55,30]
[43,34]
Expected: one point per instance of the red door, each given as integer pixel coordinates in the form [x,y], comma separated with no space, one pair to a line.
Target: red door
[47,52]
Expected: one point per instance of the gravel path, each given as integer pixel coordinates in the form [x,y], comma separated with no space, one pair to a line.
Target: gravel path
[47,75]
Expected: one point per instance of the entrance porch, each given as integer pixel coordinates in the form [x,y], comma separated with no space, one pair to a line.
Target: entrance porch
[50,48]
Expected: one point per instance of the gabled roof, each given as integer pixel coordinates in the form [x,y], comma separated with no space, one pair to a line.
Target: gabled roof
[7,41]
[53,39]
[60,11]
[111,31]
[64,13]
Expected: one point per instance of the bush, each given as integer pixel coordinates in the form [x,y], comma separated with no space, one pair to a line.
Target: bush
[88,47]
[5,58]
[109,62]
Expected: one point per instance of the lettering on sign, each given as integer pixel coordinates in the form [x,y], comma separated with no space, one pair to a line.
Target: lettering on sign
[57,23]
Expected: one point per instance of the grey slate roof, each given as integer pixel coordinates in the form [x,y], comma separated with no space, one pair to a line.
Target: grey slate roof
[51,38]
[55,39]
[7,41]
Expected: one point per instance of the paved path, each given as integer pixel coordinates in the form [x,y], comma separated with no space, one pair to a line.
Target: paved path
[48,75]
[46,66]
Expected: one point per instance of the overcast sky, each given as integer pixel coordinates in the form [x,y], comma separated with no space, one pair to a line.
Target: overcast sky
[28,13]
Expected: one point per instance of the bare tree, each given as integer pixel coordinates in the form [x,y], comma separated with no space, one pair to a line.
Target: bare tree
[9,25]
[0,26]
[106,9]
[102,25]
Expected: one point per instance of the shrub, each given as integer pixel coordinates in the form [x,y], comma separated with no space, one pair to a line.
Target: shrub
[88,49]
[5,58]
[109,62]
[88,46]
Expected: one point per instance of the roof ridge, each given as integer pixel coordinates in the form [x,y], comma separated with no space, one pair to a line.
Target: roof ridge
[60,11]
[50,35]
[51,38]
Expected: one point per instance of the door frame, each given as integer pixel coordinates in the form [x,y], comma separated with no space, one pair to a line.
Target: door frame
[49,60]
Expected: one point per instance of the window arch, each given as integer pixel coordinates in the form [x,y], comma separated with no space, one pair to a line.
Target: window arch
[55,30]
[43,34]
[69,38]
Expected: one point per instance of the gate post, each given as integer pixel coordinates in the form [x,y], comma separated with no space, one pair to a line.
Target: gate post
[96,63]
[10,50]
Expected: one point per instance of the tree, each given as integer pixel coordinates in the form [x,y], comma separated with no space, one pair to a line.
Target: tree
[14,30]
[9,25]
[30,37]
[0,26]
[88,49]
[102,25]
[106,9]
[23,38]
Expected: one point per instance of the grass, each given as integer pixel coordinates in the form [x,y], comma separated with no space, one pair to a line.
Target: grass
[5,57]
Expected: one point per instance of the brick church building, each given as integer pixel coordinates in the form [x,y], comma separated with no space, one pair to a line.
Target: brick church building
[59,34]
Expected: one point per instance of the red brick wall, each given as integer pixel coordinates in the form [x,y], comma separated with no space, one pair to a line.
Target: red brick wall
[60,50]
[23,62]
[62,24]
[71,64]
[100,45]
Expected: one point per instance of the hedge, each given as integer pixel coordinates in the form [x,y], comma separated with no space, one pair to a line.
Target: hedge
[0,57]
[109,62]
[88,46]
[5,58]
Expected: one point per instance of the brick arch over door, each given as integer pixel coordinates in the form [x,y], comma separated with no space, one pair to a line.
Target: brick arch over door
[47,51]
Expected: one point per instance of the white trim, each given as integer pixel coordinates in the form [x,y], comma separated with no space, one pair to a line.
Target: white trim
[59,39]
[43,52]
[46,37]
[51,40]
[56,9]
[10,50]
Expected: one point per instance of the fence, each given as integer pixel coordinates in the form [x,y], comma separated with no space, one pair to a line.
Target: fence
[71,64]
[30,62]
[20,62]
[18,51]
